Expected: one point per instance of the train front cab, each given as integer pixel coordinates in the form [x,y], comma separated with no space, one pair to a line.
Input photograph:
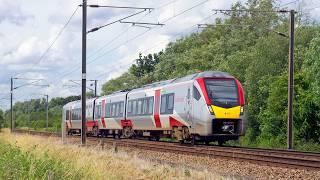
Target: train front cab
[224,115]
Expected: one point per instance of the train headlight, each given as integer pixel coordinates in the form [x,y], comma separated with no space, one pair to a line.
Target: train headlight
[241,110]
[210,110]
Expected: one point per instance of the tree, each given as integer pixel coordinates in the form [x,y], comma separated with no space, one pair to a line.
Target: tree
[1,119]
[257,57]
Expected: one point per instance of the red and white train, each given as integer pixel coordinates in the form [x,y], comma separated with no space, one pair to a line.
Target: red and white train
[206,106]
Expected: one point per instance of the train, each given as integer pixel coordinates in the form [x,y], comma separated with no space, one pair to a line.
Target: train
[202,107]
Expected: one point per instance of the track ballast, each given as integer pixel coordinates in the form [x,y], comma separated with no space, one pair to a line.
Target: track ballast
[271,157]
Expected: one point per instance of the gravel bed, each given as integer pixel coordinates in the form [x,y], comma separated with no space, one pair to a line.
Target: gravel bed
[228,168]
[234,169]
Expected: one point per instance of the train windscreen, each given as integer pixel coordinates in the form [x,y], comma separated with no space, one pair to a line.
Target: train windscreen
[222,92]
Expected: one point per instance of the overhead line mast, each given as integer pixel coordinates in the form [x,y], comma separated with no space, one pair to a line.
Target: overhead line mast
[84,73]
[12,122]
[84,56]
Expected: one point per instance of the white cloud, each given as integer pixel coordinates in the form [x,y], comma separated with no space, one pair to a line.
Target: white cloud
[11,12]
[28,28]
[25,52]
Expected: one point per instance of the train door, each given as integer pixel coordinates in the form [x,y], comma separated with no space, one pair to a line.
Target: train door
[196,107]
[189,108]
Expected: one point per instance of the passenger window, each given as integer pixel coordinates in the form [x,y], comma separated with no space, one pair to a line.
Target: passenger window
[140,107]
[121,109]
[163,104]
[129,107]
[113,109]
[196,93]
[107,110]
[170,102]
[145,106]
[167,104]
[134,107]
[67,114]
[73,114]
[98,111]
[118,110]
[150,105]
[139,112]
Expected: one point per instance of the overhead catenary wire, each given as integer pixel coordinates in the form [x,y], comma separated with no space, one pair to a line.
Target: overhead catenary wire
[107,52]
[126,30]
[288,3]
[118,7]
[113,22]
[101,48]
[316,7]
[131,62]
[182,12]
[54,40]
[116,37]
[241,25]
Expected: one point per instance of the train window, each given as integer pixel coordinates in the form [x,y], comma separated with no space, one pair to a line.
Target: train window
[196,93]
[163,104]
[167,104]
[113,109]
[72,114]
[139,109]
[129,108]
[98,111]
[117,109]
[79,114]
[170,102]
[145,106]
[121,109]
[134,107]
[67,114]
[222,92]
[150,105]
[107,110]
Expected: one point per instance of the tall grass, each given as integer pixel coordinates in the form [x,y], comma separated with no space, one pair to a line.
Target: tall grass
[72,161]
[18,164]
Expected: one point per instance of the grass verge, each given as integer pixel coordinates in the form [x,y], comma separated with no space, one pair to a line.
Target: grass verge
[18,164]
[44,158]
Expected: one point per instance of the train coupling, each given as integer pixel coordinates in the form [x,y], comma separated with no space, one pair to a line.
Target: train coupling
[228,127]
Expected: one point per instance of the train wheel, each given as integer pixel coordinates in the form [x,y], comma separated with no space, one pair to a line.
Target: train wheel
[127,132]
[156,138]
[193,141]
[221,142]
[117,136]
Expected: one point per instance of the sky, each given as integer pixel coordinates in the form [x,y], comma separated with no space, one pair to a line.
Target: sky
[29,28]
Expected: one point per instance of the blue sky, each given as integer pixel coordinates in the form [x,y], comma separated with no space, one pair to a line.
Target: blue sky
[29,26]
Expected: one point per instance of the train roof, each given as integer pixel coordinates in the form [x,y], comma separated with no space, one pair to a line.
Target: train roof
[190,77]
[217,74]
[115,94]
[78,101]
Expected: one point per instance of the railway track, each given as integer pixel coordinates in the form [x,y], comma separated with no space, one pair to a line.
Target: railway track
[272,157]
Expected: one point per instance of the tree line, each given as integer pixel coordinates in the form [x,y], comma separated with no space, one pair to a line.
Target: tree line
[243,45]
[32,113]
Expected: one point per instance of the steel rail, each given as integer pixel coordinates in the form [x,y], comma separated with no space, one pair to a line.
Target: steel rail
[271,157]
